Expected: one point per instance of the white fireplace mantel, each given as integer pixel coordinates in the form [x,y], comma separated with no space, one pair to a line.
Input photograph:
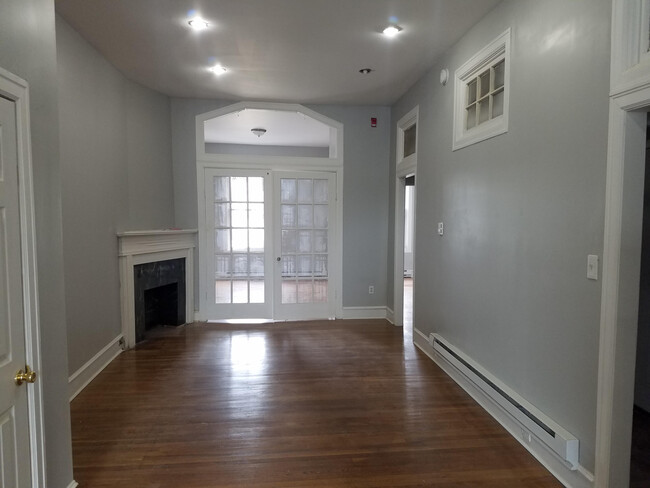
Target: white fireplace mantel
[149,246]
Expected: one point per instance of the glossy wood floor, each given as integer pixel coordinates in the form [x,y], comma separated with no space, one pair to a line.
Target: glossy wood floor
[314,404]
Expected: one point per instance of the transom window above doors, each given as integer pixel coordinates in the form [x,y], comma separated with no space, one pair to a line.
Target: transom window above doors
[267,130]
[407,142]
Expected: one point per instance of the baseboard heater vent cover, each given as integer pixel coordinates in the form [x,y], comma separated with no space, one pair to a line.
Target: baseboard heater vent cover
[563,443]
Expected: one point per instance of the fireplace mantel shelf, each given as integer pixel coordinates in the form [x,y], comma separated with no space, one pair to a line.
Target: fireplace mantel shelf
[163,232]
[148,241]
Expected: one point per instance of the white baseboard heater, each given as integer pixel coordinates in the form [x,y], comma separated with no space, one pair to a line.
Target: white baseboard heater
[563,443]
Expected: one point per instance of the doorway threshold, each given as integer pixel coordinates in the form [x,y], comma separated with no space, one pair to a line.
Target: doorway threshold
[241,321]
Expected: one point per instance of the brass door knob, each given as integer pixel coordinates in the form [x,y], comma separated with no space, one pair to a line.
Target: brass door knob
[27,376]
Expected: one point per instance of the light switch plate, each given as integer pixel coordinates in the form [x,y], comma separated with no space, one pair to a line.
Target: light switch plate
[592,267]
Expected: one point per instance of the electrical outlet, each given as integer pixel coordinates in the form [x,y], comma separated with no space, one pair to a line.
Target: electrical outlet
[371,290]
[441,228]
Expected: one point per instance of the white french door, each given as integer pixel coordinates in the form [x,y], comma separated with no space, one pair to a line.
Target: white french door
[238,245]
[304,228]
[268,245]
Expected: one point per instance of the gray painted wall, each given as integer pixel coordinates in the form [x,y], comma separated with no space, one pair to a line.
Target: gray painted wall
[116,175]
[365,180]
[251,149]
[507,281]
[28,49]
[149,157]
[365,206]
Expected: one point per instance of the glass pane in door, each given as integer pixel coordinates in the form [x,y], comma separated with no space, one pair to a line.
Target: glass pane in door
[239,239]
[304,226]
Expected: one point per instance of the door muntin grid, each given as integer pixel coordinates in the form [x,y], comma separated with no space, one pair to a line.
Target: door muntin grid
[305,231]
[239,239]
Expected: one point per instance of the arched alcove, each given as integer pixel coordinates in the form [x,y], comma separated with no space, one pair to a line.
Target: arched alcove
[270,213]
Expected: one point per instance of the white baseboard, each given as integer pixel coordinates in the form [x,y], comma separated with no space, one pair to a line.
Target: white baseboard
[377,312]
[73,484]
[390,315]
[84,375]
[580,478]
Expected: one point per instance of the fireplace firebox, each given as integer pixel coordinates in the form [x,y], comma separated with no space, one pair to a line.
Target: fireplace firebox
[159,294]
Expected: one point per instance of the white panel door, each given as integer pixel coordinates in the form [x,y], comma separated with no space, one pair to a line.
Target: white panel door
[304,221]
[238,244]
[14,425]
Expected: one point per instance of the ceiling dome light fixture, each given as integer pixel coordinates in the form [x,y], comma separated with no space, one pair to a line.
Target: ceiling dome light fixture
[198,24]
[218,69]
[392,30]
[258,131]
[366,71]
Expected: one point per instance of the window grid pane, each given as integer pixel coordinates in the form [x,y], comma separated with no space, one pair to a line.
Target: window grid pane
[304,229]
[485,95]
[239,239]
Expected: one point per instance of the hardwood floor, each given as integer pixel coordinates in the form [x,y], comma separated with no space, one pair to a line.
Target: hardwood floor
[310,404]
[408,303]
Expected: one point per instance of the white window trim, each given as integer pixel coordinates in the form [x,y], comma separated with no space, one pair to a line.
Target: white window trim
[499,125]
[407,164]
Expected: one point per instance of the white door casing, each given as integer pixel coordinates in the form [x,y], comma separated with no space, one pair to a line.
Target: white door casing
[14,428]
[405,166]
[629,97]
[21,406]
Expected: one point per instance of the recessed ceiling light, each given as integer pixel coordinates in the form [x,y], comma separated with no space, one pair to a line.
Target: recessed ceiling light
[258,131]
[218,69]
[392,30]
[198,24]
[365,71]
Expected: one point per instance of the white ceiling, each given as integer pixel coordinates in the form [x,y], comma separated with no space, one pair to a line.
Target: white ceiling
[283,129]
[303,51]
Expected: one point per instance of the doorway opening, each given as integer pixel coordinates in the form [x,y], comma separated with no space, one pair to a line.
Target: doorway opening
[271,244]
[404,255]
[640,451]
[409,246]
[269,213]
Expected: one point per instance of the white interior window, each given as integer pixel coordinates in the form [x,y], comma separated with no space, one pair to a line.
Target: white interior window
[481,93]
[407,141]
